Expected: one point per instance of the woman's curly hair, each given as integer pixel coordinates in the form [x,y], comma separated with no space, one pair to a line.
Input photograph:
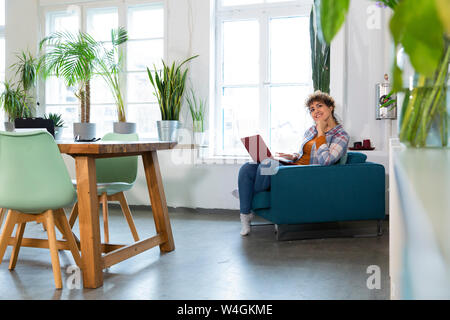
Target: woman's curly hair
[324,98]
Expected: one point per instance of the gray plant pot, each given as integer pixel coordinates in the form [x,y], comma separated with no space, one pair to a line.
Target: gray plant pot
[84,131]
[124,127]
[9,126]
[58,133]
[168,130]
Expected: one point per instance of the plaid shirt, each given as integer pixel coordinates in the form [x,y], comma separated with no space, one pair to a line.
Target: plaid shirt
[332,151]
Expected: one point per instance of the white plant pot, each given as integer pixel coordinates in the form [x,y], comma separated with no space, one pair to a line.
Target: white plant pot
[168,130]
[58,133]
[124,127]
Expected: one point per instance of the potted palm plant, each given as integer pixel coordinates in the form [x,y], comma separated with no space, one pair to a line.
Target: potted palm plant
[73,57]
[110,68]
[12,102]
[169,84]
[197,107]
[58,122]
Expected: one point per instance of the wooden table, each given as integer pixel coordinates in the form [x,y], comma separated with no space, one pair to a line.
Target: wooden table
[95,255]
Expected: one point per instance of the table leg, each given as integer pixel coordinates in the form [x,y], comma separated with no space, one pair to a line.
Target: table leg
[91,253]
[158,199]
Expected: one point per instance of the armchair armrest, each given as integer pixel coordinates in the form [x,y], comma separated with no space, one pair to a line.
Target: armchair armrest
[313,193]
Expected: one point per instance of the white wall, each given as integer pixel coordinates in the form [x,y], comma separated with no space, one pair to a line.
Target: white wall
[356,66]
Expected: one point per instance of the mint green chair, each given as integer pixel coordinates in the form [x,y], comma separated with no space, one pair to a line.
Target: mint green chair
[35,186]
[114,177]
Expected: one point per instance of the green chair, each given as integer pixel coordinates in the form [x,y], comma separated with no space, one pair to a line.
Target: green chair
[114,176]
[35,186]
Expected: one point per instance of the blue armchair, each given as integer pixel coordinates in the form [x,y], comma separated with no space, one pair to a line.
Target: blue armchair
[352,190]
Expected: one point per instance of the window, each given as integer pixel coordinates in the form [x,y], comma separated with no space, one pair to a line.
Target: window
[2,50]
[145,47]
[59,98]
[263,74]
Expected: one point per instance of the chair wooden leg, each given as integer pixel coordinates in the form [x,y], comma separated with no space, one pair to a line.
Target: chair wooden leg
[2,214]
[17,244]
[8,228]
[127,213]
[73,215]
[49,218]
[104,200]
[67,233]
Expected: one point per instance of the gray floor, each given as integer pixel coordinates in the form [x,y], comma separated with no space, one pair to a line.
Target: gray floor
[211,261]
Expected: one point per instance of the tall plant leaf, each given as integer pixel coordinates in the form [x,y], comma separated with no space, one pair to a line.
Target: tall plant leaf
[331,17]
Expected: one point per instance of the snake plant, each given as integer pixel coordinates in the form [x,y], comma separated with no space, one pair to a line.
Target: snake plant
[320,54]
[169,84]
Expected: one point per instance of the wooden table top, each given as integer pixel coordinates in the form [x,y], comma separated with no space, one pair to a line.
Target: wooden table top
[116,147]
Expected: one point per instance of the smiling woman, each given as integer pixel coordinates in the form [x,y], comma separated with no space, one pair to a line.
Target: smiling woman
[325,143]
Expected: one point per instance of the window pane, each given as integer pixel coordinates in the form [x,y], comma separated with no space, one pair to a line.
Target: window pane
[290,50]
[145,53]
[63,21]
[139,88]
[100,92]
[240,117]
[289,117]
[226,3]
[103,116]
[146,22]
[145,116]
[241,52]
[100,22]
[56,92]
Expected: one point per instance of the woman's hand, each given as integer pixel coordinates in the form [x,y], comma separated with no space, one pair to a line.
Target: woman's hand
[286,156]
[321,126]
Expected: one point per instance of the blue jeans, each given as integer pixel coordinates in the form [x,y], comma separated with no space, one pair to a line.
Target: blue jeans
[254,178]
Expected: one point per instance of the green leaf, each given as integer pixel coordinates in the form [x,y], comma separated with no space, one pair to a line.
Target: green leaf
[417,27]
[332,16]
[443,8]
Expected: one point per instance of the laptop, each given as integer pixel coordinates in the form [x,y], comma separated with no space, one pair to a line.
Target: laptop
[258,150]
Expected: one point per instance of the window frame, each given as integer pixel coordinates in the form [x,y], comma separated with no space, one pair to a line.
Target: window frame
[122,9]
[262,13]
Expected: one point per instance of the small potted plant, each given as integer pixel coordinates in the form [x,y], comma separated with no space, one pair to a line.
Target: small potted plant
[169,84]
[58,122]
[12,102]
[197,107]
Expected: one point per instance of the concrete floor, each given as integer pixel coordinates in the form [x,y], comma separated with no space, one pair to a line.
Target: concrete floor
[211,261]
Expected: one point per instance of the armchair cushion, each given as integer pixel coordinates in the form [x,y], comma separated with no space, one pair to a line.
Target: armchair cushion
[356,157]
